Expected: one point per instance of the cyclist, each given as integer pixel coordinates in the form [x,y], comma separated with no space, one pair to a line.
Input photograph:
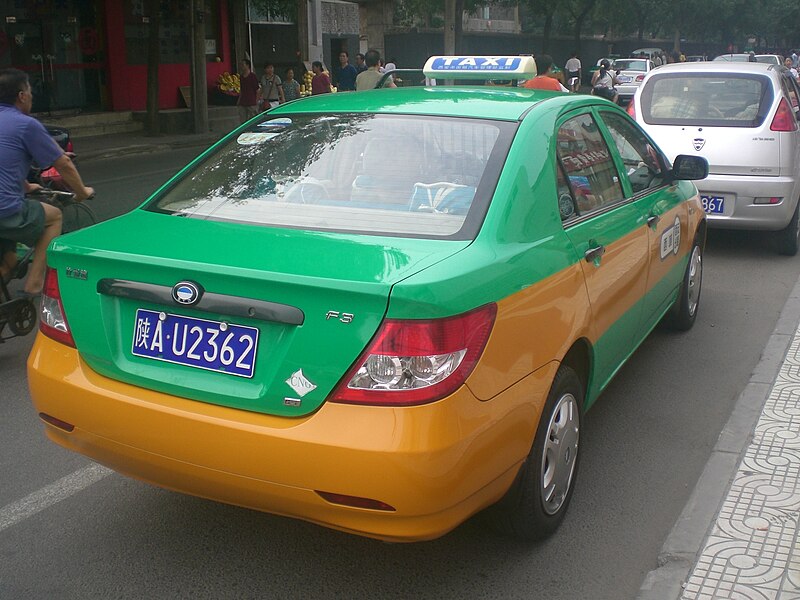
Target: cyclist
[23,139]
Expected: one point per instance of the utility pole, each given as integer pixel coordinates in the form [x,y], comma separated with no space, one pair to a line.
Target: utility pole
[198,54]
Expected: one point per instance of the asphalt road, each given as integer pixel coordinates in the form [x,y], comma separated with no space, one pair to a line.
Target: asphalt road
[68,530]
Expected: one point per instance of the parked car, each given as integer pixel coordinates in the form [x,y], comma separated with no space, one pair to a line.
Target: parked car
[631,73]
[770,59]
[648,52]
[385,353]
[741,118]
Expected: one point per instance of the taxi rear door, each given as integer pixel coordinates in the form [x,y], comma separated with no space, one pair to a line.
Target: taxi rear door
[610,236]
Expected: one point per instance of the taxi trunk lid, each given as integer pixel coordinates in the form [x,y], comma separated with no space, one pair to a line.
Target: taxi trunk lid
[293,308]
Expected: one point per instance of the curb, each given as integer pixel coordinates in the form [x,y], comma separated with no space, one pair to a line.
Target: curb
[687,537]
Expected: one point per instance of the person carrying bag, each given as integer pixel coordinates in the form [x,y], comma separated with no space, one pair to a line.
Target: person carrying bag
[603,82]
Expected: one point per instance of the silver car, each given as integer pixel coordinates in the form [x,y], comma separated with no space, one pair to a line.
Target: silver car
[631,73]
[741,117]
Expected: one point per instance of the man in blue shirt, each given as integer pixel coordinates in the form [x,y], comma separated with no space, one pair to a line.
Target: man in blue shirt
[23,139]
[345,74]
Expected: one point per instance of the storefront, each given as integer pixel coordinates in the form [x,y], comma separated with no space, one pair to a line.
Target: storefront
[91,55]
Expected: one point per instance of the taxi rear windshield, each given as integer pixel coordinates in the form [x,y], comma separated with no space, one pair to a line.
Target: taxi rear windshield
[377,174]
[707,99]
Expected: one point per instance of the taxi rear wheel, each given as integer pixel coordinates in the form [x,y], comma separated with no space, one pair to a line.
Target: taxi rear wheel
[683,313]
[536,503]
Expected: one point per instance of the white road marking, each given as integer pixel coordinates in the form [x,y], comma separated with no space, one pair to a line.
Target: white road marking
[13,513]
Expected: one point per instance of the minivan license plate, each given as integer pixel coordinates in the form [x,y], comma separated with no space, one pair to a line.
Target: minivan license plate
[200,343]
[713,204]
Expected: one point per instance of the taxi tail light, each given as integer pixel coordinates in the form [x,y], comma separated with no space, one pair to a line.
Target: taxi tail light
[53,319]
[631,109]
[784,119]
[413,362]
[639,78]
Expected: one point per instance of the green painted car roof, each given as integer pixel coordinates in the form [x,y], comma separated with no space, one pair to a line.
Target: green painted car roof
[483,102]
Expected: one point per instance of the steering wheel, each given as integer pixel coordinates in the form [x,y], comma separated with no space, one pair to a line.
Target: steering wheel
[307,190]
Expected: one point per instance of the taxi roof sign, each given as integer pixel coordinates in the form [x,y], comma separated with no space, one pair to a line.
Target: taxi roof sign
[480,67]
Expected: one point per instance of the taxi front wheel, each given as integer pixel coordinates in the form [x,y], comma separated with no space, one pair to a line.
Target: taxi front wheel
[683,313]
[536,503]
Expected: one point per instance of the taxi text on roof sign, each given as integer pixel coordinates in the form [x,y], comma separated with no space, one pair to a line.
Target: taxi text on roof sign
[480,67]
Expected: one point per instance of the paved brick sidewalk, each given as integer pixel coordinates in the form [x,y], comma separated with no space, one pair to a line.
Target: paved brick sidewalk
[737,537]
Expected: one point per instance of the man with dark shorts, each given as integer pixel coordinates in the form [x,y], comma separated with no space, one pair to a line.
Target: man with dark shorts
[23,140]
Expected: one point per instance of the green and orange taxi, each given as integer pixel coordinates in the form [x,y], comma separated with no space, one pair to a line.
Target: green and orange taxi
[379,311]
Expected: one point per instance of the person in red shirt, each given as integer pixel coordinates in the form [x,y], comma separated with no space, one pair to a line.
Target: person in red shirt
[248,93]
[320,83]
[544,80]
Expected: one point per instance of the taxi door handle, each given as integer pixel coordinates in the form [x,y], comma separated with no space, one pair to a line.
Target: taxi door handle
[652,221]
[593,255]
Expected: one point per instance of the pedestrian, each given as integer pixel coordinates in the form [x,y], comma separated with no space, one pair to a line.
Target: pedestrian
[23,140]
[370,78]
[291,89]
[320,83]
[544,80]
[787,62]
[603,82]
[346,74]
[271,88]
[247,104]
[361,66]
[573,69]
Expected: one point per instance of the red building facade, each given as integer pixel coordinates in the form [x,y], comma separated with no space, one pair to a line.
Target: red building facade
[91,55]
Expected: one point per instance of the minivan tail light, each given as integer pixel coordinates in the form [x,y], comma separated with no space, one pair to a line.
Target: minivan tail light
[631,109]
[413,362]
[784,119]
[53,319]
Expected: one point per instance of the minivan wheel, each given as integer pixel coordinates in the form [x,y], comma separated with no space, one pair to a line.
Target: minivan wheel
[537,501]
[789,238]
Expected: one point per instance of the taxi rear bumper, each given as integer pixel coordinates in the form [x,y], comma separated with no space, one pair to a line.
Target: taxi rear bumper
[435,464]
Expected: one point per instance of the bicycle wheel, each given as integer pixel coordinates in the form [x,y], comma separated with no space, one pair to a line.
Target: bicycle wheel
[76,215]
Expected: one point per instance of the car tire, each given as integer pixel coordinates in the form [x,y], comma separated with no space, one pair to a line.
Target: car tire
[537,501]
[789,238]
[683,313]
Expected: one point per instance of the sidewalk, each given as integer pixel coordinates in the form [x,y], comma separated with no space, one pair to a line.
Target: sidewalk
[121,144]
[737,536]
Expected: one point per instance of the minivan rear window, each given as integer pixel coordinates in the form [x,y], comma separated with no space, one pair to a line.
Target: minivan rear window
[709,99]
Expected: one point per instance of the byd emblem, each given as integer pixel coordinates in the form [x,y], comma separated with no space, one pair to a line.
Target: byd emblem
[698,143]
[187,293]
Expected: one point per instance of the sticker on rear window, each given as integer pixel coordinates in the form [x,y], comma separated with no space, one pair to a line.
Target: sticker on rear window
[253,138]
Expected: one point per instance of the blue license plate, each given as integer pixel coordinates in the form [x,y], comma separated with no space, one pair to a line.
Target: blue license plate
[200,343]
[713,204]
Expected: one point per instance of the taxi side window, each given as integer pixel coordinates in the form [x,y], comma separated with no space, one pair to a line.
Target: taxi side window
[643,165]
[591,176]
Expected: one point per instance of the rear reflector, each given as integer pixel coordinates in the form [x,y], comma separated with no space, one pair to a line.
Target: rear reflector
[68,427]
[768,200]
[784,119]
[53,320]
[417,361]
[355,501]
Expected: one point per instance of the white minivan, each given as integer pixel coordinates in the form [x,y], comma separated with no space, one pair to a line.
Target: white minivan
[743,119]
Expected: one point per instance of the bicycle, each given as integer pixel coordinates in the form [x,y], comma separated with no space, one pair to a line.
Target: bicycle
[19,314]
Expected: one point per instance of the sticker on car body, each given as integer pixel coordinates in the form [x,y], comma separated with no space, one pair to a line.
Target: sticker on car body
[671,239]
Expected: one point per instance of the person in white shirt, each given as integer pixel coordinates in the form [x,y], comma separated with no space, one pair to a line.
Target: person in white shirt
[573,69]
